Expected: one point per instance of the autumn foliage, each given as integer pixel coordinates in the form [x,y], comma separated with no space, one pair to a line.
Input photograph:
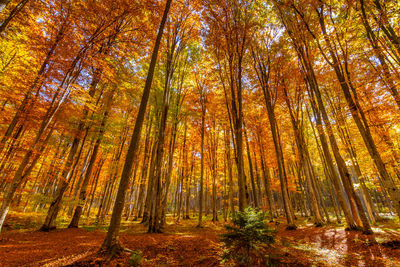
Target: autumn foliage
[120,110]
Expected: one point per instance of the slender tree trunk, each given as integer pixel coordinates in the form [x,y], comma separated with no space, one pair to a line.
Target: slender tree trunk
[82,195]
[303,151]
[266,177]
[388,30]
[253,184]
[96,182]
[49,222]
[13,13]
[188,187]
[201,192]
[111,243]
[36,85]
[21,174]
[332,172]
[359,118]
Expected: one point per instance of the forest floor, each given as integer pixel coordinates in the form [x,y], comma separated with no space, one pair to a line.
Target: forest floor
[182,244]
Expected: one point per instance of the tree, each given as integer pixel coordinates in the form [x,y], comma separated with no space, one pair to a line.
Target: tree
[245,235]
[111,243]
[230,25]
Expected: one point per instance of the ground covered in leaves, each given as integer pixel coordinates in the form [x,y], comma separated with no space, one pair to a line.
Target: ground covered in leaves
[182,244]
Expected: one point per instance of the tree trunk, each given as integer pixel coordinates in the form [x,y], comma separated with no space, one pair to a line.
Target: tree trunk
[82,195]
[111,243]
[12,14]
[303,152]
[201,193]
[359,118]
[253,184]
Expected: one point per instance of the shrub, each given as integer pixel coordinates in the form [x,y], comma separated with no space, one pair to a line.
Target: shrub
[136,258]
[247,233]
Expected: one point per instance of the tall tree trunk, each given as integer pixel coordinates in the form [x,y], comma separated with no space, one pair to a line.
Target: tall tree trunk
[27,102]
[303,152]
[96,182]
[384,24]
[253,184]
[111,243]
[388,80]
[69,167]
[357,113]
[20,175]
[25,168]
[49,222]
[201,192]
[332,171]
[182,174]
[263,70]
[266,177]
[82,195]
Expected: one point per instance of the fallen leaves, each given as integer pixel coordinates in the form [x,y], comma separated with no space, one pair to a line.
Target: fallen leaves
[185,245]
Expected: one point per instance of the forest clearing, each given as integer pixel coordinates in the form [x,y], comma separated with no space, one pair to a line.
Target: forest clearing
[199,133]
